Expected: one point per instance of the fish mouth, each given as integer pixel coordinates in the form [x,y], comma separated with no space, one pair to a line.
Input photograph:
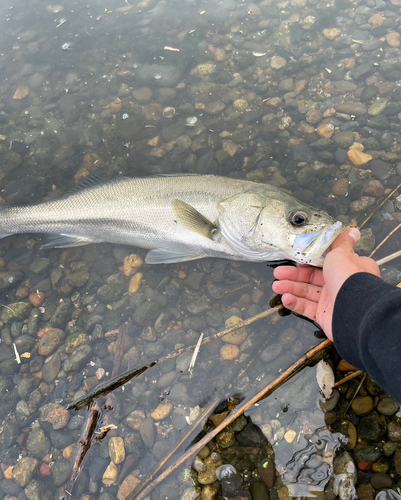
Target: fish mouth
[313,246]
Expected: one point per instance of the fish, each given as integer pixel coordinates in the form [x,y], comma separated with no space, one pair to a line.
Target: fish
[180,218]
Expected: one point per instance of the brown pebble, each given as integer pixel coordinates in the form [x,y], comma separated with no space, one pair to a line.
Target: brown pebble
[357,158]
[135,283]
[331,33]
[340,187]
[393,39]
[22,292]
[376,20]
[362,405]
[325,130]
[21,92]
[229,352]
[37,298]
[374,188]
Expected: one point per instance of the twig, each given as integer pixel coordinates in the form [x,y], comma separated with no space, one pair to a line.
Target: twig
[83,445]
[348,377]
[195,354]
[356,392]
[114,383]
[379,206]
[390,257]
[239,410]
[385,239]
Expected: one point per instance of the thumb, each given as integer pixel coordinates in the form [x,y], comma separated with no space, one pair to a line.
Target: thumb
[347,239]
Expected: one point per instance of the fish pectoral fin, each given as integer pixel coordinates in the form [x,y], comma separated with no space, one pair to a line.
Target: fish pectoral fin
[164,256]
[193,220]
[64,241]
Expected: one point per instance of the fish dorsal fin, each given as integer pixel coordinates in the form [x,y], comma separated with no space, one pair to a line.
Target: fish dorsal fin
[193,220]
[93,180]
[164,256]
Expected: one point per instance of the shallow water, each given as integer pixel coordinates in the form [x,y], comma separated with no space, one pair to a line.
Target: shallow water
[276,92]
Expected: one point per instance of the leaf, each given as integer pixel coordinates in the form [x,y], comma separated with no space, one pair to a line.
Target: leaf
[325,378]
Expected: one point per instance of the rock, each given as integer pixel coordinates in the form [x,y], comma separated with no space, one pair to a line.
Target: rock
[394,432]
[329,404]
[271,352]
[345,476]
[36,298]
[229,352]
[374,188]
[331,33]
[127,486]
[325,130]
[388,407]
[340,187]
[40,265]
[163,410]
[116,450]
[277,62]
[55,414]
[77,279]
[214,108]
[371,428]
[147,432]
[15,312]
[145,313]
[21,92]
[23,470]
[135,283]
[377,107]
[38,444]
[230,147]
[61,471]
[50,341]
[357,158]
[397,461]
[77,358]
[380,481]
[110,474]
[143,94]
[225,439]
[348,429]
[393,39]
[344,139]
[352,108]
[363,405]
[240,105]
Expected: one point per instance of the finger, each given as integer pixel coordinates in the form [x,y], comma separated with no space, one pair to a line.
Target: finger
[301,290]
[305,274]
[347,239]
[303,307]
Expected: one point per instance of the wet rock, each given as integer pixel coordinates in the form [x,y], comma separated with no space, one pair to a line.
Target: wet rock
[214,108]
[394,432]
[345,476]
[380,169]
[371,428]
[61,471]
[366,455]
[51,368]
[55,414]
[60,315]
[146,313]
[147,432]
[380,480]
[271,352]
[77,358]
[329,404]
[24,343]
[40,265]
[348,429]
[38,444]
[23,470]
[363,405]
[116,450]
[377,107]
[252,436]
[50,341]
[15,312]
[388,406]
[77,279]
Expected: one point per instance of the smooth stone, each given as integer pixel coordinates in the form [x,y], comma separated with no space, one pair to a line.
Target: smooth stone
[77,358]
[394,432]
[38,444]
[50,341]
[327,405]
[55,414]
[148,432]
[371,428]
[362,405]
[116,450]
[51,367]
[388,407]
[23,470]
[379,480]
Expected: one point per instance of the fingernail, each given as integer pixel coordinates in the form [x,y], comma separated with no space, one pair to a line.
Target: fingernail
[354,233]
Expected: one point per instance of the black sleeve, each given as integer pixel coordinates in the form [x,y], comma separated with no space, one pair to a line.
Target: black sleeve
[367,329]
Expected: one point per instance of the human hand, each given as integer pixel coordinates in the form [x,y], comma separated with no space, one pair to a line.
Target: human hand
[311,292]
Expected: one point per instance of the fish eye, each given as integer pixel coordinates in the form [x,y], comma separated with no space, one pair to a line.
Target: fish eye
[298,218]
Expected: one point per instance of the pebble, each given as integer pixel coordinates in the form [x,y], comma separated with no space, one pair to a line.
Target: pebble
[374,188]
[229,352]
[394,432]
[55,414]
[21,92]
[358,158]
[50,341]
[230,147]
[388,406]
[110,474]
[362,405]
[37,298]
[77,358]
[147,432]
[393,39]
[23,470]
[277,62]
[116,450]
[162,411]
[340,187]
[135,283]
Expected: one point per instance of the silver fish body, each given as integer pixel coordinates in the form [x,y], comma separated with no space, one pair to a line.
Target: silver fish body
[181,217]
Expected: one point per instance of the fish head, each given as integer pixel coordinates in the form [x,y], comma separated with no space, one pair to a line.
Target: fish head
[270,224]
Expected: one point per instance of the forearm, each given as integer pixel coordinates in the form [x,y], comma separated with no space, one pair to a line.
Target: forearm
[367,329]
